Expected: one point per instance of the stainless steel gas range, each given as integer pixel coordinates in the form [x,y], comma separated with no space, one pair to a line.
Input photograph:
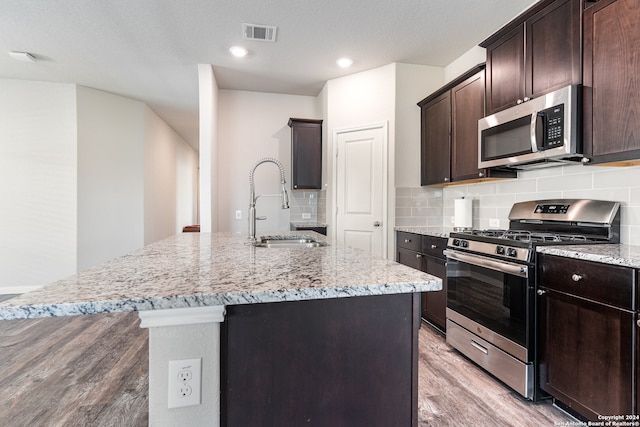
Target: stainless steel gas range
[491,287]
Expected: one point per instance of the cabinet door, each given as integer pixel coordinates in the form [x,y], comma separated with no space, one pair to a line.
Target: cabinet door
[434,304]
[436,141]
[409,258]
[585,354]
[467,103]
[611,82]
[553,41]
[306,153]
[505,71]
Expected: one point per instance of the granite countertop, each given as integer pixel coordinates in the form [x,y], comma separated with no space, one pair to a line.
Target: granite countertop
[616,254]
[308,224]
[426,231]
[205,269]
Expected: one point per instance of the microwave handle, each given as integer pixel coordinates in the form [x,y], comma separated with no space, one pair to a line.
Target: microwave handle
[533,132]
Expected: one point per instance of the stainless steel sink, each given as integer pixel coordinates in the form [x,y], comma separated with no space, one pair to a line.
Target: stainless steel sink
[289,242]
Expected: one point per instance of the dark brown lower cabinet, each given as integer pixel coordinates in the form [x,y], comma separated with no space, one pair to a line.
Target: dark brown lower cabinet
[587,336]
[434,304]
[424,253]
[334,362]
[586,355]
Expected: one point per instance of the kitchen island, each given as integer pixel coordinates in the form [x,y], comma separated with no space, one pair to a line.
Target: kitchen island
[327,309]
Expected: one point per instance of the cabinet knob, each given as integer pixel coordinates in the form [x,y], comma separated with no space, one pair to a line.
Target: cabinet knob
[377,223]
[481,174]
[638,322]
[541,292]
[407,240]
[576,277]
[446,179]
[526,98]
[418,256]
[519,101]
[434,246]
[295,186]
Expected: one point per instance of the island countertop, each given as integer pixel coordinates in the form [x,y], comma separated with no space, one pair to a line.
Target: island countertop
[206,269]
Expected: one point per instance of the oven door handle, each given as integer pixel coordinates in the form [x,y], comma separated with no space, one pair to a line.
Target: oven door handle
[502,266]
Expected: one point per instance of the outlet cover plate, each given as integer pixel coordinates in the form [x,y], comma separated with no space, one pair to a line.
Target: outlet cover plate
[185,381]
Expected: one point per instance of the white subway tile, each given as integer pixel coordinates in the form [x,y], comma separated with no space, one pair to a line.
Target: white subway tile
[566,182]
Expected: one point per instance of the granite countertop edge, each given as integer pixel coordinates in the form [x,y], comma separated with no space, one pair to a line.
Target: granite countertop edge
[433,231]
[208,269]
[614,254]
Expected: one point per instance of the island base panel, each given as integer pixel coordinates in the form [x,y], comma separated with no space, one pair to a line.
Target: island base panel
[333,362]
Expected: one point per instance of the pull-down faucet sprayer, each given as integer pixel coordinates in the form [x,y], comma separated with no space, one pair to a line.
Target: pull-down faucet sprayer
[253,197]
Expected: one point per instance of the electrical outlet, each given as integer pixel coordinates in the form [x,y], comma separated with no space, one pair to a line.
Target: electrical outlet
[185,381]
[494,222]
[238,214]
[306,216]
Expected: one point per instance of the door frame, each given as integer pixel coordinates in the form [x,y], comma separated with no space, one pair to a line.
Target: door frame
[385,178]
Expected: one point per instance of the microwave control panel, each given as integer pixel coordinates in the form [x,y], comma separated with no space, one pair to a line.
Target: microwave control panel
[553,126]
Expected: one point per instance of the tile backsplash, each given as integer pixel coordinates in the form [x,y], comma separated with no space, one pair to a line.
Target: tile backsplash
[433,206]
[311,203]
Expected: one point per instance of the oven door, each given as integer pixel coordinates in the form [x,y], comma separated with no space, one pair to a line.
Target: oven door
[493,300]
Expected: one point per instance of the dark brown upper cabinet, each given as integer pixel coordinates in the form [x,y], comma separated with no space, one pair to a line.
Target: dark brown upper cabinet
[449,132]
[435,135]
[611,131]
[536,53]
[306,153]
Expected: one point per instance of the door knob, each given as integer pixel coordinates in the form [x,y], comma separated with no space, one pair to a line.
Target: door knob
[376,223]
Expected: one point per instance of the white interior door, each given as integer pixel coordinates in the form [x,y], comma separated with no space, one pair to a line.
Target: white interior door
[361,176]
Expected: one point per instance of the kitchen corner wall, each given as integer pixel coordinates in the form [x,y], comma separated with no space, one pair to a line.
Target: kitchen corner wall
[433,206]
[253,125]
[79,172]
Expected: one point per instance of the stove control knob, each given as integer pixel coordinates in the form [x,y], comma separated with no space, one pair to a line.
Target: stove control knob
[456,242]
[512,252]
[465,244]
[500,250]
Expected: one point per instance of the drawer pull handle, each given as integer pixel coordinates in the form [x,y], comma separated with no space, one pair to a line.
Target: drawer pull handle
[576,277]
[434,246]
[541,292]
[407,240]
[479,347]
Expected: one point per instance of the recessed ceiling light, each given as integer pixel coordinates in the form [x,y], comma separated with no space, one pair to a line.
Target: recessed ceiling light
[238,51]
[22,56]
[344,62]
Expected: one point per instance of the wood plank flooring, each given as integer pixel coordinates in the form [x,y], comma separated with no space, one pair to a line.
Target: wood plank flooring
[93,371]
[74,371]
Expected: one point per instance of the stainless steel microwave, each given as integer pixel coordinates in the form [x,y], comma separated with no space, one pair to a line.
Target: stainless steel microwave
[543,131]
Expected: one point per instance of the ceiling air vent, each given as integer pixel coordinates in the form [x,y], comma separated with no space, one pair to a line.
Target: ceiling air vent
[265,33]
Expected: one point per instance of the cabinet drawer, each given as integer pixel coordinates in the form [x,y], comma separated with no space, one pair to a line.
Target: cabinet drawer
[434,246]
[409,241]
[609,284]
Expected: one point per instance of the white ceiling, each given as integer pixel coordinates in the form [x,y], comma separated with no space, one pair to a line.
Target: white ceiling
[149,49]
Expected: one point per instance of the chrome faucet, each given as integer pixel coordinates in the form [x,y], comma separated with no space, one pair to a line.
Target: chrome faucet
[253,197]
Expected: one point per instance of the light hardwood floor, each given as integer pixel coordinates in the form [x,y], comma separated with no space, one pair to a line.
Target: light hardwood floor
[92,371]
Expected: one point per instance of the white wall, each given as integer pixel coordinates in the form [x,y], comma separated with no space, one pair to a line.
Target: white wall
[474,56]
[37,183]
[73,182]
[253,125]
[171,180]
[110,176]
[390,94]
[413,83]
[208,146]
[356,100]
